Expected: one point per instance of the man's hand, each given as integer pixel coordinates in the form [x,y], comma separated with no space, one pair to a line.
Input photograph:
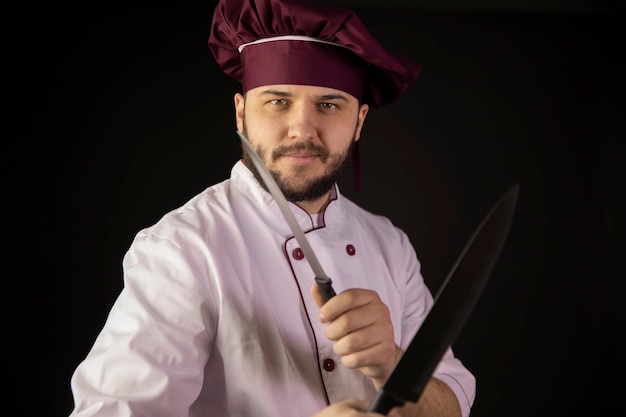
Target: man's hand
[360,326]
[347,408]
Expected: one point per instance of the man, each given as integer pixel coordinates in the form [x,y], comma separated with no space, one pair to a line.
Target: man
[219,315]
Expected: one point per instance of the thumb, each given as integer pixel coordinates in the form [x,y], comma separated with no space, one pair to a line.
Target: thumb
[317,295]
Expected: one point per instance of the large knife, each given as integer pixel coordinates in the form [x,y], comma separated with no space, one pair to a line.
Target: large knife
[324,283]
[452,306]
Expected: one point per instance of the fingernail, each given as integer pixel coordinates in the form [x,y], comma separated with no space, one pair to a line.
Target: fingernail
[321,318]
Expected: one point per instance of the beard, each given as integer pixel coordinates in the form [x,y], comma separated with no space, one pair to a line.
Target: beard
[309,189]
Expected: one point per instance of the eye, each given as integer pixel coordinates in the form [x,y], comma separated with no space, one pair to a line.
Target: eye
[278,102]
[328,106]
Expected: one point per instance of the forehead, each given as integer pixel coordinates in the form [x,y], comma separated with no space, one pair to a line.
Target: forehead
[298,91]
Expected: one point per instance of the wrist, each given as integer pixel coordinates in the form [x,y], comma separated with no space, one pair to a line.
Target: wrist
[379,382]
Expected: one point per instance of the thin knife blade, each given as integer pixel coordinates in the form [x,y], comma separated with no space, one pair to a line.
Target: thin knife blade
[452,307]
[323,281]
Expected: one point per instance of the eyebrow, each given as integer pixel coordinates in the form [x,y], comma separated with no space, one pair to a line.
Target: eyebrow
[332,97]
[323,97]
[275,93]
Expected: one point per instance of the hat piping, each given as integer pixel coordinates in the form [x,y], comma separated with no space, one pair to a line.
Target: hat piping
[288,38]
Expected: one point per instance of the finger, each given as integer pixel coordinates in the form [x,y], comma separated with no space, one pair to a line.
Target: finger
[345,301]
[345,408]
[352,321]
[362,339]
[356,405]
[377,361]
[373,315]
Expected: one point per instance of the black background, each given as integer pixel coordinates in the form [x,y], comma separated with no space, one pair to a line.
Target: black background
[117,113]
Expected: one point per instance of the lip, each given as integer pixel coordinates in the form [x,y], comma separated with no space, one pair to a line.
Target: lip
[300,158]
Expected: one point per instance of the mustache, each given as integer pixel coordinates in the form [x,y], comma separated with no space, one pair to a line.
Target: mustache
[307,147]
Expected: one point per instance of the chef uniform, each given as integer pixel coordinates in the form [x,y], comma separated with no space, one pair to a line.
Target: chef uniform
[215,317]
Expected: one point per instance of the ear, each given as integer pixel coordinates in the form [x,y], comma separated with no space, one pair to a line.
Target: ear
[239,110]
[360,120]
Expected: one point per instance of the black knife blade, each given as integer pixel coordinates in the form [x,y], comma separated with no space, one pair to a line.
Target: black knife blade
[452,306]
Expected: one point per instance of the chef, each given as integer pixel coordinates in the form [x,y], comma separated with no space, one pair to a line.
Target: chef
[219,314]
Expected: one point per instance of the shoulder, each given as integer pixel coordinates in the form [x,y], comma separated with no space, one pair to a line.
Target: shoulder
[380,225]
[195,218]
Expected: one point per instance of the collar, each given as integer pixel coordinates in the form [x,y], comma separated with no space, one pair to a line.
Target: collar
[250,188]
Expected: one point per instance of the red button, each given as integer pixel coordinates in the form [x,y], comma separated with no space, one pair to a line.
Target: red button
[329,365]
[298,254]
[351,250]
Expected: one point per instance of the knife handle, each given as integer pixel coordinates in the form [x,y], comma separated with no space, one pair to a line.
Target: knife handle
[384,402]
[326,287]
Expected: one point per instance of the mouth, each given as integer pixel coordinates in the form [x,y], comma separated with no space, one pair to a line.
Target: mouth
[300,158]
[300,153]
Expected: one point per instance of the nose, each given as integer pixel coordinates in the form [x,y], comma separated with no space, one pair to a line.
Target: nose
[302,123]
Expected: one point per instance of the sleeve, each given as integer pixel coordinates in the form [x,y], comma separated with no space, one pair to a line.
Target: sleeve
[150,355]
[417,304]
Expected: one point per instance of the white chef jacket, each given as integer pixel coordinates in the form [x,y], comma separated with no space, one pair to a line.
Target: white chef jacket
[216,318]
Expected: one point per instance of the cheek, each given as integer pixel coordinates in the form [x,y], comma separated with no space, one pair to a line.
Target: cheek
[340,139]
[263,133]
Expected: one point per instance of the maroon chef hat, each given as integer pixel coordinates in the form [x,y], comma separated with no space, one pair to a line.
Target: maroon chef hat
[264,42]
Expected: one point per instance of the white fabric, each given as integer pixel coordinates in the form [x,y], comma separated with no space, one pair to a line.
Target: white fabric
[216,318]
